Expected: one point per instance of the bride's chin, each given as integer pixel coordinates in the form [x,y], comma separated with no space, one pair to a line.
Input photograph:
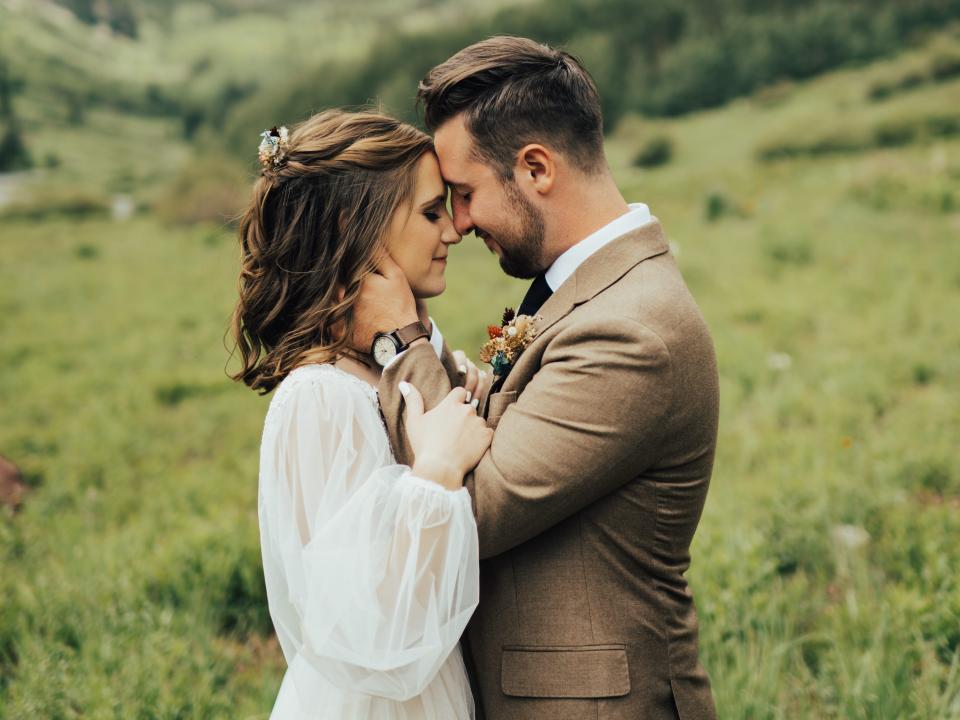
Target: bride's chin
[435,288]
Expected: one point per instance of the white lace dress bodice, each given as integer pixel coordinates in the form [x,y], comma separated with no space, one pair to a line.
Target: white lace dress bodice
[371,572]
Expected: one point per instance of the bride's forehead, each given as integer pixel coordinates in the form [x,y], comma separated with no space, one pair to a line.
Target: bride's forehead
[429,179]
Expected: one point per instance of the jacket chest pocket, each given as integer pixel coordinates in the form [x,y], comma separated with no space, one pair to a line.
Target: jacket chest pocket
[497,405]
[584,671]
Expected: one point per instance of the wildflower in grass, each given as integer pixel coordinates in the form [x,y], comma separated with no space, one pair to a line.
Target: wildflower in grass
[779,361]
[850,537]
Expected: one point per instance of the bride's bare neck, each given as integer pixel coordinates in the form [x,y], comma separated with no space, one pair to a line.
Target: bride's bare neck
[367,373]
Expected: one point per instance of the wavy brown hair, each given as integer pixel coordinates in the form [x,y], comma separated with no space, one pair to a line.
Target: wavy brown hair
[315,227]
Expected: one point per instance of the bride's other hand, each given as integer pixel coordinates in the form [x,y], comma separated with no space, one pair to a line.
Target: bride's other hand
[484,384]
[475,381]
[385,303]
[447,441]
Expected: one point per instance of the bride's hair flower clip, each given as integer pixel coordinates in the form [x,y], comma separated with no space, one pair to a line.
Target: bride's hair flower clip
[273,147]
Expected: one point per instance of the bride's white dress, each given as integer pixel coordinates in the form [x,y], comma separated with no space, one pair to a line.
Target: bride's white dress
[371,573]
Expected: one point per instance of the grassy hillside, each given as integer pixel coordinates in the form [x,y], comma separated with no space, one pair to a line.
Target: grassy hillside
[826,567]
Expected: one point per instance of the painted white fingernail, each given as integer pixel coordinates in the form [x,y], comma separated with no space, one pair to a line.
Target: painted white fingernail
[462,369]
[469,395]
[404,387]
[475,402]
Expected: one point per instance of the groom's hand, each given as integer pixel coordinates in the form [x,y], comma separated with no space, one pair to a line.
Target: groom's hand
[385,303]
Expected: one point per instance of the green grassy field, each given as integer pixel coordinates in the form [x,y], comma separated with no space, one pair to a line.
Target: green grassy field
[826,567]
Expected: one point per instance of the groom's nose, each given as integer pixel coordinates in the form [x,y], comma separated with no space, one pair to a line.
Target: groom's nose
[461,216]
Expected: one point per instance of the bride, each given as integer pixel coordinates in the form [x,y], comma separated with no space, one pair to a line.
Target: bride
[371,567]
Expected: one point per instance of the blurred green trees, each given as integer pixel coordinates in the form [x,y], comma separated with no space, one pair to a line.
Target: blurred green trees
[119,15]
[662,59]
[13,152]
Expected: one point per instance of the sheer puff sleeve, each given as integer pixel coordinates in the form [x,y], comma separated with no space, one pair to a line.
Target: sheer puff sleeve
[371,572]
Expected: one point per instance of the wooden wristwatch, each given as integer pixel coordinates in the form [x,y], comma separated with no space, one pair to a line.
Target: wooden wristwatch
[386,346]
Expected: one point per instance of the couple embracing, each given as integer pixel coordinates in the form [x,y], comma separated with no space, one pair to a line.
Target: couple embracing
[443,543]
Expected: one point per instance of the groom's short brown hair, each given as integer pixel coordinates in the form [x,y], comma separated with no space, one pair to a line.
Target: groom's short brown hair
[513,91]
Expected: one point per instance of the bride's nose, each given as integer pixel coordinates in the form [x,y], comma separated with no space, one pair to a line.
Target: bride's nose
[450,236]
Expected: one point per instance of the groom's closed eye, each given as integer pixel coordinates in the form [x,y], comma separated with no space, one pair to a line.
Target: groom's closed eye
[462,190]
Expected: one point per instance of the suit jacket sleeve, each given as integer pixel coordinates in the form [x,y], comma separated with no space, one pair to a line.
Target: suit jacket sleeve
[434,377]
[590,420]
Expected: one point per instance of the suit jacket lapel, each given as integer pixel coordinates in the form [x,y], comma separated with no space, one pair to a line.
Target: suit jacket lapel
[603,269]
[597,273]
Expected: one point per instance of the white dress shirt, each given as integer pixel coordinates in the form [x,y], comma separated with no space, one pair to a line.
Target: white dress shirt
[564,266]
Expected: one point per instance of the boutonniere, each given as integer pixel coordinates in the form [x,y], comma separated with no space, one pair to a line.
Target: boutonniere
[508,340]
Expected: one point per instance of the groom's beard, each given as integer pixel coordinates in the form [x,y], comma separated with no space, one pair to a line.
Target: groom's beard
[522,248]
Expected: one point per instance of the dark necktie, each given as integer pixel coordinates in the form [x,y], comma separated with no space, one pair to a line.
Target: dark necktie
[536,296]
[534,299]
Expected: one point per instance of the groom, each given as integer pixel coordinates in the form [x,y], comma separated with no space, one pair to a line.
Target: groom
[606,425]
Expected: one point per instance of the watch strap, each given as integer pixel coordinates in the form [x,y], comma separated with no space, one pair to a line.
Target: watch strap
[410,333]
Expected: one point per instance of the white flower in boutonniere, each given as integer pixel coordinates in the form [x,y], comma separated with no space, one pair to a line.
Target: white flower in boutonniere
[508,340]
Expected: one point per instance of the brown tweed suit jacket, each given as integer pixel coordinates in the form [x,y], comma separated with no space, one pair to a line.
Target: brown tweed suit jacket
[589,496]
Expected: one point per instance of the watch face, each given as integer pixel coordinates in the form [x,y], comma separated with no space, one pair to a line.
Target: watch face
[384,350]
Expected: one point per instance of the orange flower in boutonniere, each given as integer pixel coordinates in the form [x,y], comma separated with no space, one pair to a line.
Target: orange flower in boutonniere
[508,340]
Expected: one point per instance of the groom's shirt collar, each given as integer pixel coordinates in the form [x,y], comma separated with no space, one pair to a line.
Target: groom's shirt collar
[564,266]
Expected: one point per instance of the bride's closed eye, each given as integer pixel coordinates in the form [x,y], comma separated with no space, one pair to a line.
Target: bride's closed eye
[434,212]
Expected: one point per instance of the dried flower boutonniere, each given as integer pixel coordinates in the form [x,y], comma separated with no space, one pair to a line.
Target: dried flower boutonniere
[508,340]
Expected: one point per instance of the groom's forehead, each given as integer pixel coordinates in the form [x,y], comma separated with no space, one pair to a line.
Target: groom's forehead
[454,146]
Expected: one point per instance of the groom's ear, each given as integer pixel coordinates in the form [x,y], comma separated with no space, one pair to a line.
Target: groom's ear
[536,167]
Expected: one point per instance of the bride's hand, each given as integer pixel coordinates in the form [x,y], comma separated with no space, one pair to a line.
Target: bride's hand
[385,303]
[447,441]
[475,381]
